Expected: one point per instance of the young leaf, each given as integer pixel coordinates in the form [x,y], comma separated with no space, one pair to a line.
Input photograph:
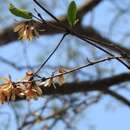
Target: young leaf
[71,14]
[20,12]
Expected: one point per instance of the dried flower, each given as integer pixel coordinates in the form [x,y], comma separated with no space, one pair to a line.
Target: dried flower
[31,94]
[47,83]
[25,88]
[31,90]
[28,76]
[60,78]
[18,91]
[27,30]
[6,90]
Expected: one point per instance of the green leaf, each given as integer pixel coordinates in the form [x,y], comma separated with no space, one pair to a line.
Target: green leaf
[20,12]
[71,14]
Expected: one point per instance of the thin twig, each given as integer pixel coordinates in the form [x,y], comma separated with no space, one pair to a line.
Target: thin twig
[10,63]
[93,43]
[118,96]
[83,66]
[41,66]
[46,10]
[67,72]
[41,19]
[84,38]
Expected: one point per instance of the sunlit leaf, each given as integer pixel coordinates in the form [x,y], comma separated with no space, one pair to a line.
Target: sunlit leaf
[71,14]
[20,12]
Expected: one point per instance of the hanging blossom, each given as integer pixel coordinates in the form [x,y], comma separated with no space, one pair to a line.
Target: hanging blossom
[31,90]
[59,79]
[27,30]
[6,90]
[25,88]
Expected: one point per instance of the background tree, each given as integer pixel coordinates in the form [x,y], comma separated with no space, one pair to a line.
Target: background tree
[95,51]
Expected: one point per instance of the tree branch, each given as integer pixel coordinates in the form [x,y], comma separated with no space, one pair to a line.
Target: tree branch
[118,97]
[85,86]
[7,35]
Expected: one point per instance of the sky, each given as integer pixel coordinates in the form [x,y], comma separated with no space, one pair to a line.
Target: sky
[99,116]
